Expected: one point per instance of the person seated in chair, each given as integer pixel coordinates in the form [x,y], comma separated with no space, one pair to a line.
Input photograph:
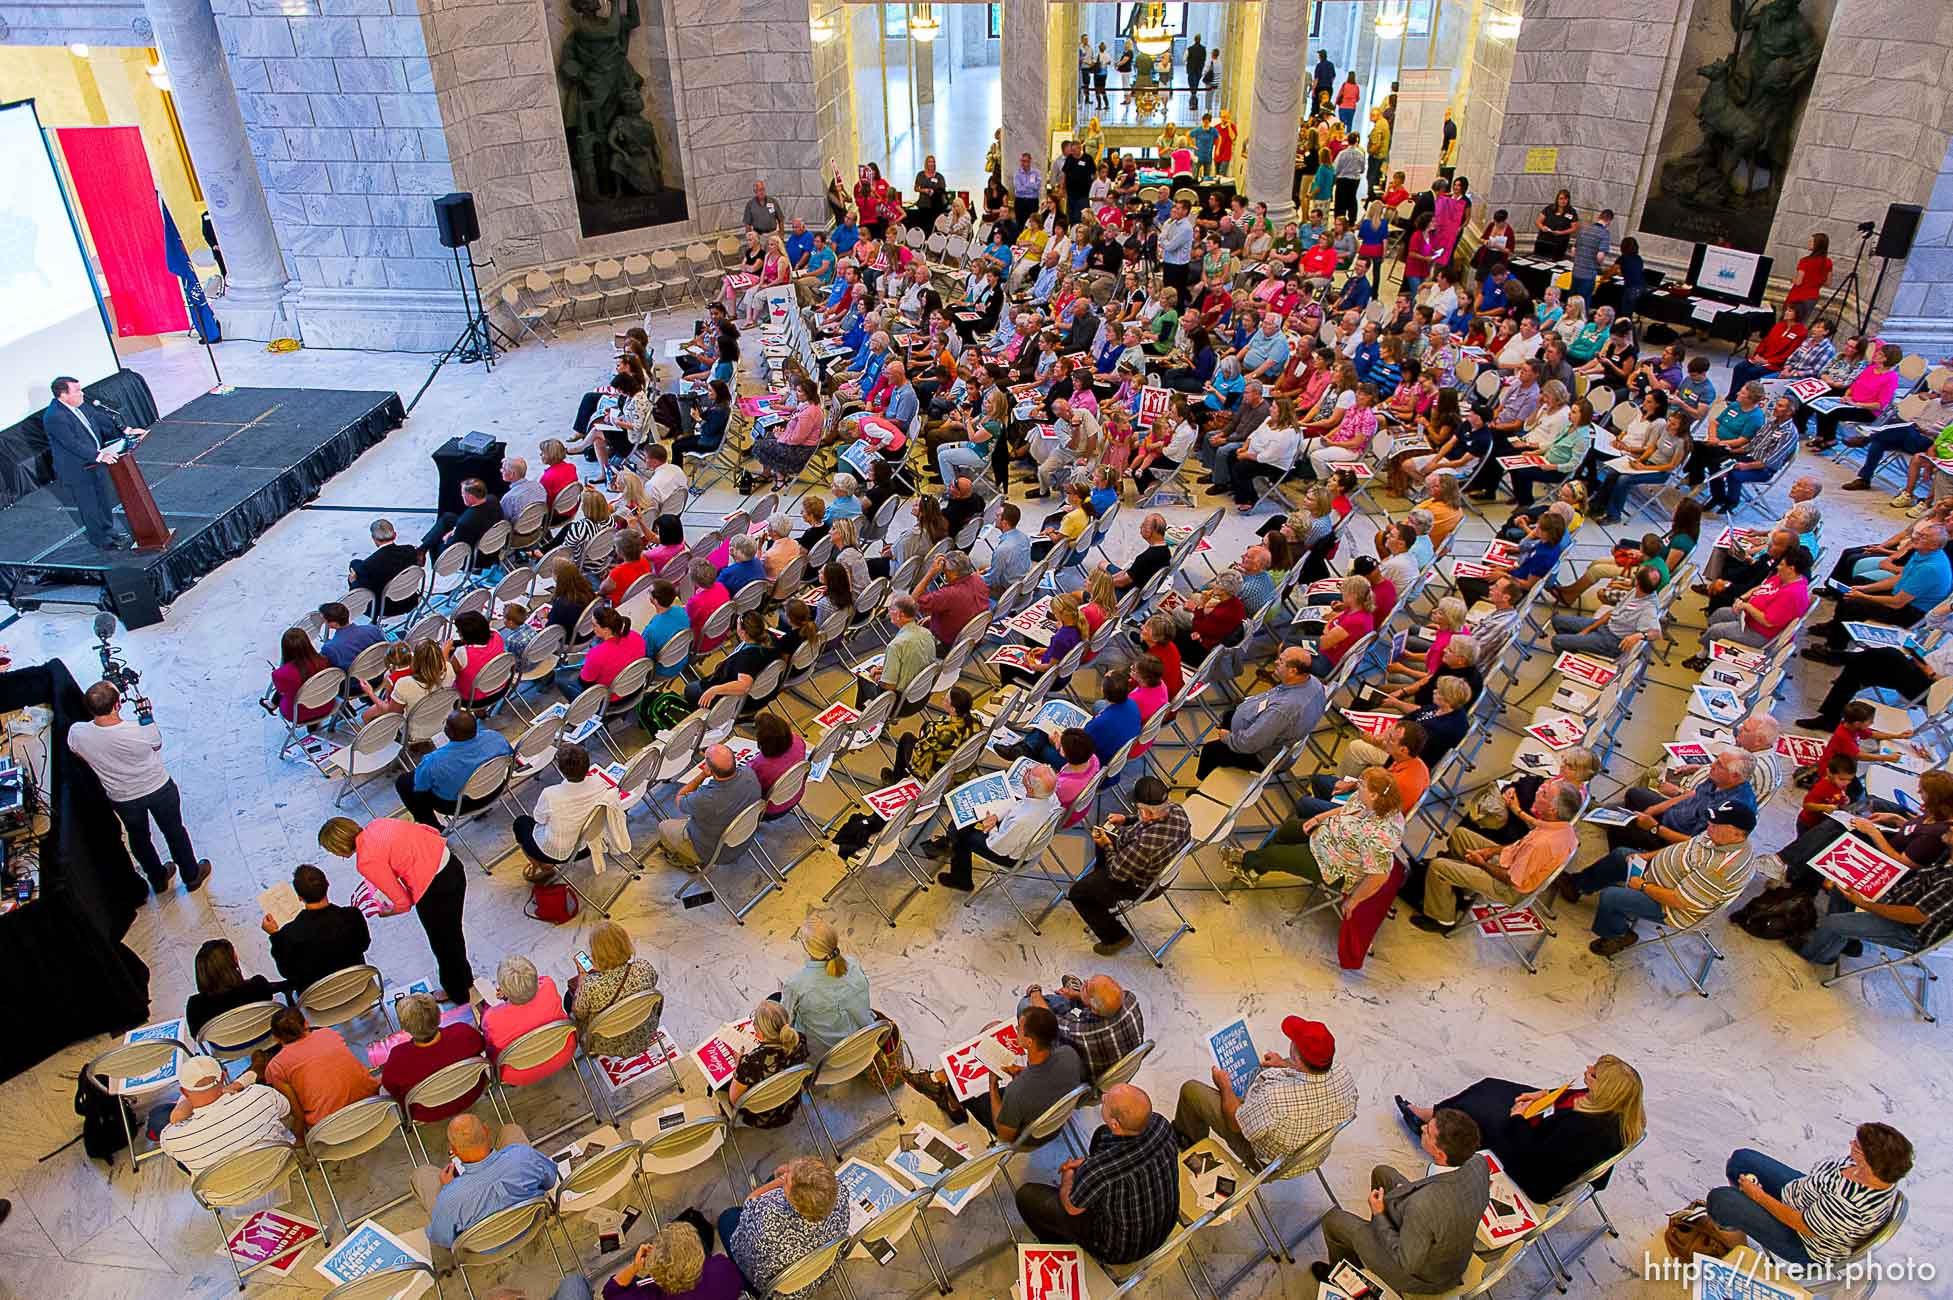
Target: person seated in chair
[345,638]
[1421,1232]
[1676,886]
[784,1220]
[389,559]
[438,779]
[484,1178]
[1120,1201]
[1051,1070]
[431,1046]
[1098,1019]
[738,670]
[1820,1218]
[1294,1099]
[324,937]
[479,513]
[553,834]
[315,1069]
[217,1118]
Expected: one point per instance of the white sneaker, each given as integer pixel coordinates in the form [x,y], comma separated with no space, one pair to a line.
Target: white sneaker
[1903,501]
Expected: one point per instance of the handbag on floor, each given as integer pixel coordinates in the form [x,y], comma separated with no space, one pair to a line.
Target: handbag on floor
[1691,1232]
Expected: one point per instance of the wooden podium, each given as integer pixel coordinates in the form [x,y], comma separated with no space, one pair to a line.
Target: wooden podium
[145,520]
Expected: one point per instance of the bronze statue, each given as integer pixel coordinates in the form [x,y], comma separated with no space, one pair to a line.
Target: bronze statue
[1745,113]
[600,89]
[634,147]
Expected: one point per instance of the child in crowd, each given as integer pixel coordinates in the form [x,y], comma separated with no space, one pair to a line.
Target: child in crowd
[516,632]
[1839,787]
[1849,739]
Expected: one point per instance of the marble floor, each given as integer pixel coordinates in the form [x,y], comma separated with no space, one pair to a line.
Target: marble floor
[1770,1059]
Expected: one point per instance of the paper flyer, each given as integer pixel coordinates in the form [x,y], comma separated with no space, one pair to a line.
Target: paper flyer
[1523,462]
[1745,537]
[1056,715]
[1508,1214]
[861,669]
[1234,1052]
[1689,755]
[1859,867]
[1801,750]
[1051,1273]
[834,715]
[922,1154]
[1017,656]
[1806,389]
[718,1056]
[370,1248]
[1374,725]
[1718,1279]
[891,799]
[616,1071]
[1876,634]
[1473,569]
[1585,668]
[1738,657]
[1609,816]
[1522,921]
[1212,1174]
[164,1075]
[1559,733]
[1504,554]
[1718,703]
[274,1239]
[964,1065]
[281,903]
[869,1192]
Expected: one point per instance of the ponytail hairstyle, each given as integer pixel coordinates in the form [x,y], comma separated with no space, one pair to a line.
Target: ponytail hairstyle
[770,1025]
[1385,798]
[822,944]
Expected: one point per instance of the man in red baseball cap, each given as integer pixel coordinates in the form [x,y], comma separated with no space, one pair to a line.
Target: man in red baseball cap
[1291,1101]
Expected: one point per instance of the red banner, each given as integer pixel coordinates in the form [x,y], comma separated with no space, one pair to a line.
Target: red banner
[110,171]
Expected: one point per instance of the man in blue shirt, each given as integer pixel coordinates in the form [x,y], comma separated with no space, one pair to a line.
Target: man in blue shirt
[1357,290]
[1901,598]
[1660,821]
[1266,353]
[1368,352]
[438,779]
[1010,555]
[800,245]
[1491,293]
[816,279]
[668,622]
[490,1179]
[1117,723]
[345,638]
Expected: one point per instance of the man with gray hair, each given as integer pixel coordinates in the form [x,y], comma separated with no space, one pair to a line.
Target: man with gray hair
[710,802]
[519,491]
[1153,557]
[1120,1201]
[1900,599]
[762,215]
[389,559]
[962,596]
[1004,838]
[1100,1021]
[1264,722]
[911,653]
[746,566]
[1662,820]
[1250,415]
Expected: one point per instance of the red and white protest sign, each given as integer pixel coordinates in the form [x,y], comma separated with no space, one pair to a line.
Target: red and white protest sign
[1473,569]
[1805,389]
[964,1065]
[1503,554]
[620,1070]
[1018,656]
[370,901]
[1154,403]
[1859,867]
[1371,724]
[1689,754]
[274,1239]
[718,1056]
[1801,750]
[1585,668]
[1326,587]
[891,799]
[1522,921]
[1744,536]
[1558,733]
[1508,1214]
[834,715]
[1051,1273]
[1523,462]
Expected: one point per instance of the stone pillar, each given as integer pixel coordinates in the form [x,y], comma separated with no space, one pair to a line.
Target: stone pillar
[1279,54]
[1026,84]
[253,305]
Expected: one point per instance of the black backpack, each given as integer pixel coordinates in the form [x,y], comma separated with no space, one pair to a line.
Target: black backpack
[1780,912]
[102,1133]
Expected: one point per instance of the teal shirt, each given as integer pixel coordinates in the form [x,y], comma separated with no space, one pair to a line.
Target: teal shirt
[826,1008]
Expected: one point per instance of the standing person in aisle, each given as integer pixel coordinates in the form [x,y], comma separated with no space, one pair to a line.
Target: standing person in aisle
[410,865]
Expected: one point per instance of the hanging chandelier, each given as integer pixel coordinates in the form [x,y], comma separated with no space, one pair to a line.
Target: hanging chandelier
[923,23]
[1149,32]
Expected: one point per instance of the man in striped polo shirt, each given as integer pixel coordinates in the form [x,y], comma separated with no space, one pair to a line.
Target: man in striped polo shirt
[216,1120]
[1682,883]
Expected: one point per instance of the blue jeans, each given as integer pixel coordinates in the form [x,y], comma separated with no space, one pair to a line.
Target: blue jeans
[952,456]
[1569,636]
[1725,492]
[1845,923]
[1620,907]
[1347,116]
[1610,870]
[1742,372]
[1614,487]
[1906,440]
[1583,289]
[729,1224]
[1730,1208]
[1524,480]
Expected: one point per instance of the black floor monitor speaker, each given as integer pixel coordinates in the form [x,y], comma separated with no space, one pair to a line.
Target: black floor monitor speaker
[455,215]
[1895,236]
[133,598]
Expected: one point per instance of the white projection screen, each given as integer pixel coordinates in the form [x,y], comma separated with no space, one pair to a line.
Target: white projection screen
[53,323]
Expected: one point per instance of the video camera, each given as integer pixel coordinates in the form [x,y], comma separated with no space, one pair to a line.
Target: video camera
[117,673]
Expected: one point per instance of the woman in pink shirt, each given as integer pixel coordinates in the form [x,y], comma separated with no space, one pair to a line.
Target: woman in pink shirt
[528,1001]
[1148,692]
[300,662]
[409,865]
[708,593]
[615,648]
[1355,618]
[786,452]
[670,532]
[1870,393]
[1771,606]
[780,747]
[1081,765]
[475,643]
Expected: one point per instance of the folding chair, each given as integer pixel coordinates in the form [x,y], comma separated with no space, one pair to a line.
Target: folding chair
[502,1235]
[810,1270]
[1245,1199]
[319,690]
[349,1133]
[448,1084]
[730,845]
[1023,870]
[119,1072]
[1842,1279]
[887,846]
[386,1283]
[1581,1191]
[235,1034]
[542,293]
[589,842]
[536,1048]
[525,315]
[239,1180]
[376,743]
[1922,998]
[770,1093]
[1698,978]
[628,1015]
[845,1061]
[1161,889]
[891,1226]
[482,787]
[344,996]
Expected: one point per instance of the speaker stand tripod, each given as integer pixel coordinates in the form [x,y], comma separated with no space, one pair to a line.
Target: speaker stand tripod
[476,342]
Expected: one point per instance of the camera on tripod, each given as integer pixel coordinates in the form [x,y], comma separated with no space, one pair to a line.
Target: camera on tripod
[117,673]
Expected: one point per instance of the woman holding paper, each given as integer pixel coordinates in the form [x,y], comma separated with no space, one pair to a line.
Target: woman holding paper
[780,1046]
[1548,1137]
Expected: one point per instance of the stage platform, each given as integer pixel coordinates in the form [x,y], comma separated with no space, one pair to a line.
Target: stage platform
[223,469]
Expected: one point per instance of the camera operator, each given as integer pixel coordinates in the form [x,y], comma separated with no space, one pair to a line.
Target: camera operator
[124,755]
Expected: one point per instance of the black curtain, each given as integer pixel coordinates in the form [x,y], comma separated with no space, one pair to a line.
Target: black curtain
[67,973]
[24,461]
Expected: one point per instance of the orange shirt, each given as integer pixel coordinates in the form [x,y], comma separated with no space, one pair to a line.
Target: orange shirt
[322,1073]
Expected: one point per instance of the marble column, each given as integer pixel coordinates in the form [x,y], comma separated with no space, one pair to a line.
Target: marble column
[253,305]
[1026,89]
[1279,54]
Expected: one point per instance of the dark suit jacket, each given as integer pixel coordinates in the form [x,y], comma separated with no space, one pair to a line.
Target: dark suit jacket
[319,941]
[475,522]
[381,567]
[69,443]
